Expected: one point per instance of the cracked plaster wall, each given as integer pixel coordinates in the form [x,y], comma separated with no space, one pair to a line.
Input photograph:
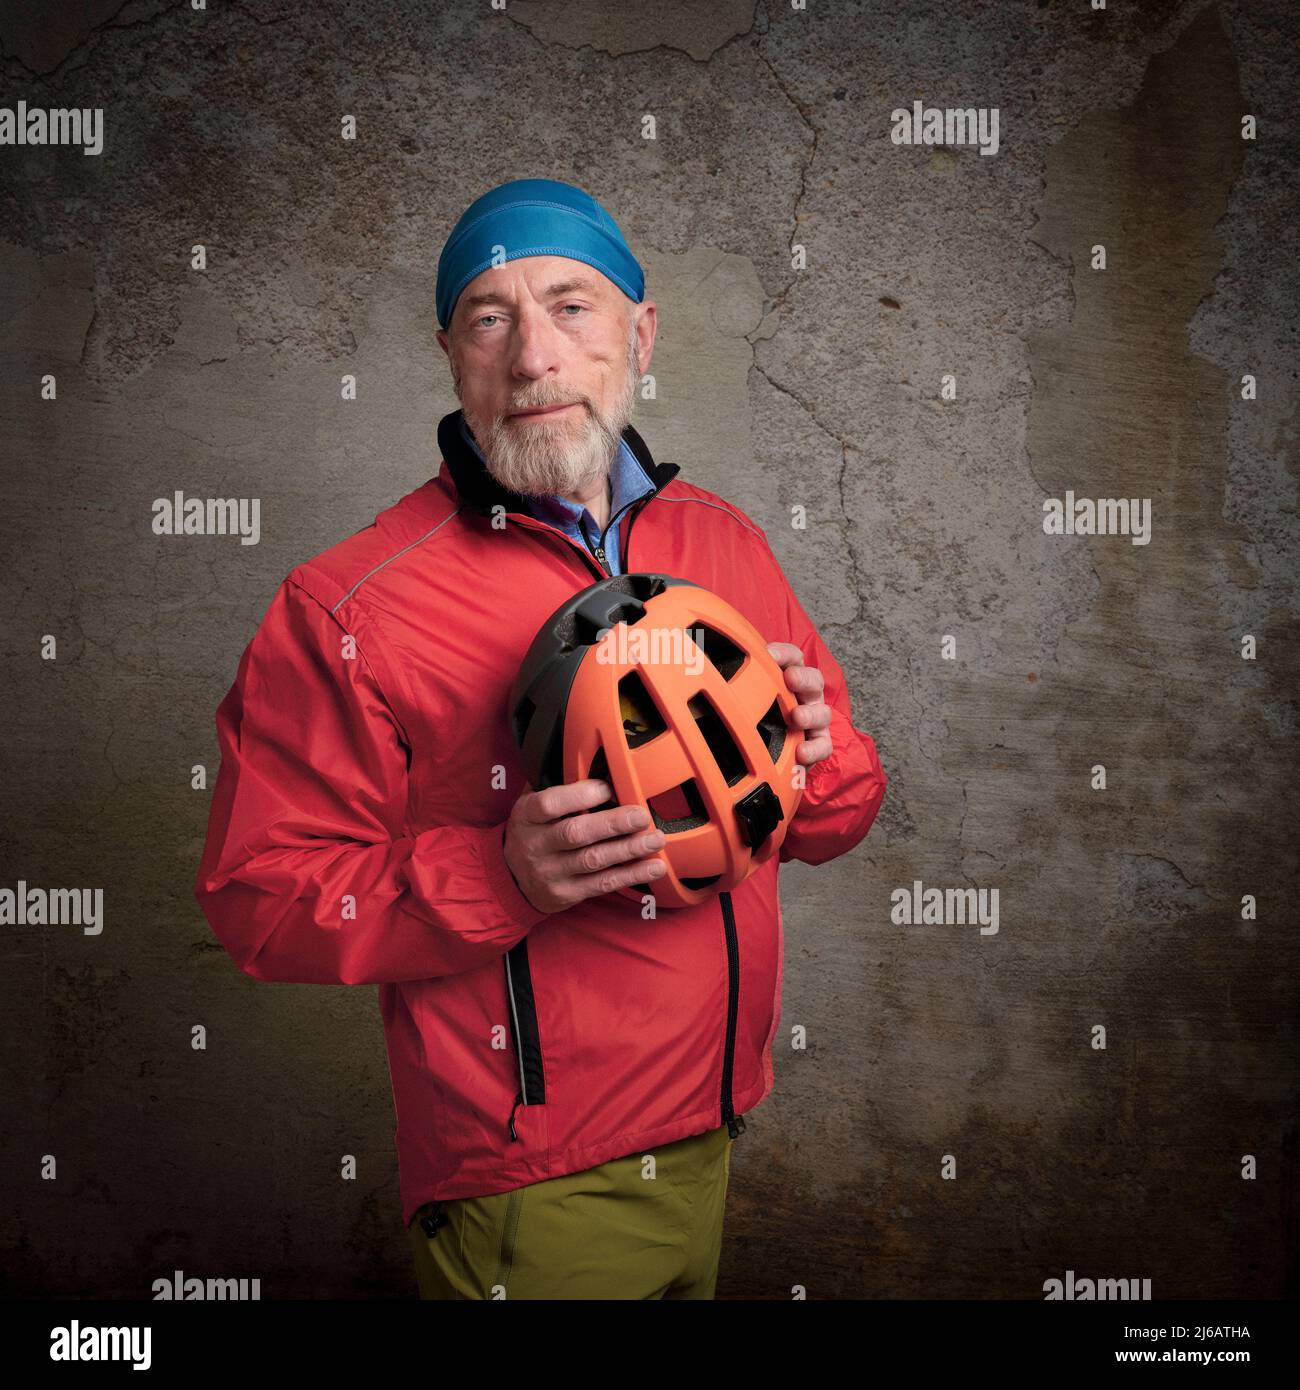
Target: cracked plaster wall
[775,387]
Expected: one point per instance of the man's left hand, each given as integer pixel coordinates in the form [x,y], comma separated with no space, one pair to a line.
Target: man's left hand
[812,714]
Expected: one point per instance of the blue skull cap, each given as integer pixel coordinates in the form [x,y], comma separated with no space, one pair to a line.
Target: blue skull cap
[533,217]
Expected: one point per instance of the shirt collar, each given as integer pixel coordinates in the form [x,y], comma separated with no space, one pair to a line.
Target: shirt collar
[628,481]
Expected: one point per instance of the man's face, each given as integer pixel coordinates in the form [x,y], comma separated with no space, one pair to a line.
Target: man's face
[547,331]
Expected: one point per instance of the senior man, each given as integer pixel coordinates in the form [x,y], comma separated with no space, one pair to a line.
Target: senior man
[568,1076]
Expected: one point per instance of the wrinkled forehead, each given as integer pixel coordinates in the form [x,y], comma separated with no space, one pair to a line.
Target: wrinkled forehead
[542,278]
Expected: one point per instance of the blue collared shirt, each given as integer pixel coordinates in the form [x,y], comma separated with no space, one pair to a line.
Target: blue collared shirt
[628,481]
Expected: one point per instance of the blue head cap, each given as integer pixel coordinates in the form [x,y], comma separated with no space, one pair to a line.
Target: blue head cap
[534,217]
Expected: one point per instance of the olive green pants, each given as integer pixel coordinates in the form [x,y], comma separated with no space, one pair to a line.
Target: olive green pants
[625,1229]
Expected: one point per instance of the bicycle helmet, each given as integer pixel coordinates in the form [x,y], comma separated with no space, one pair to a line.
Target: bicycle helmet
[665,691]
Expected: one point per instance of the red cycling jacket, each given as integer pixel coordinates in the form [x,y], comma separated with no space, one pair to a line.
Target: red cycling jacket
[355,837]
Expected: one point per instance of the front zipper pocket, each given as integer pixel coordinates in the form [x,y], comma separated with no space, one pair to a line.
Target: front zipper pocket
[523,1030]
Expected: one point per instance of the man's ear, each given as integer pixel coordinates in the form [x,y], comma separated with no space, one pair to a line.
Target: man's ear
[444,341]
[646,326]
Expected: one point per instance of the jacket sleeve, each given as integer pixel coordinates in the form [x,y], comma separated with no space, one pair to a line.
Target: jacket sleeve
[308,873]
[843,792]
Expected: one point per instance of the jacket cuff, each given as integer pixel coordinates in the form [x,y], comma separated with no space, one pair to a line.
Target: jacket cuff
[514,906]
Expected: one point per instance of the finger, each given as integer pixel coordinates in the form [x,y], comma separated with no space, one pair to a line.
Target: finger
[623,876]
[783,653]
[810,717]
[806,681]
[601,854]
[575,831]
[813,750]
[565,799]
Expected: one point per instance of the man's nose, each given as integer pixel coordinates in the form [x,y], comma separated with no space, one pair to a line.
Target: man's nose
[537,347]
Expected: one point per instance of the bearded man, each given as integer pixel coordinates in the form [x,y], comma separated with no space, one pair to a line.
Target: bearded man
[569,1077]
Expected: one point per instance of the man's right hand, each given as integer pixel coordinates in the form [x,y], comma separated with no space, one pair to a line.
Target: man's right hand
[559,857]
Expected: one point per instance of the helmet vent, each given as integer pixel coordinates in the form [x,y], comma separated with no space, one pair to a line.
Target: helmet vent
[704,882]
[645,586]
[720,650]
[641,718]
[599,769]
[718,737]
[772,730]
[523,717]
[679,808]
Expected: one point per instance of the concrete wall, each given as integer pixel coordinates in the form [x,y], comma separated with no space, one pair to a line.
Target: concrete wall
[778,387]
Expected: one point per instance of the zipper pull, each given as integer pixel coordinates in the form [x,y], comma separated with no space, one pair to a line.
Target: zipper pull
[599,552]
[432,1218]
[736,1126]
[518,1100]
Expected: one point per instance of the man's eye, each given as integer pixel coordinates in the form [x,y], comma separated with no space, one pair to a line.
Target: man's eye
[484,319]
[579,307]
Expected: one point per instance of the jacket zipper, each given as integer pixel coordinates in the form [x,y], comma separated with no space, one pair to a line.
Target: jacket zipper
[735,1123]
[627,530]
[600,544]
[598,552]
[523,1008]
[532,524]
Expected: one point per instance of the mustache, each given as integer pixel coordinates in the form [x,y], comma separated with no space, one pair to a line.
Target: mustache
[518,406]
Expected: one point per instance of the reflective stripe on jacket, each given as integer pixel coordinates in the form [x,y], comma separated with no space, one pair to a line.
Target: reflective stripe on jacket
[355,837]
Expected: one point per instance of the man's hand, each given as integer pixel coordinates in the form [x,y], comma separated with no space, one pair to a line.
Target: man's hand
[559,858]
[812,714]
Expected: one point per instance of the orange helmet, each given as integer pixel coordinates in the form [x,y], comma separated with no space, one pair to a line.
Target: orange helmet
[670,695]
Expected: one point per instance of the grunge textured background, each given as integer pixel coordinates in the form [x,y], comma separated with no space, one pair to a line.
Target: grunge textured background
[777,387]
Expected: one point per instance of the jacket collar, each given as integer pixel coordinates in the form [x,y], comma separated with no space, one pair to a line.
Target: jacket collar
[481,491]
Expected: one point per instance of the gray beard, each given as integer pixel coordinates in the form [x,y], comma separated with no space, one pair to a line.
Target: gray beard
[556,460]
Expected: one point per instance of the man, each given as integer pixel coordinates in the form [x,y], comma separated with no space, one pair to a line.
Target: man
[569,1074]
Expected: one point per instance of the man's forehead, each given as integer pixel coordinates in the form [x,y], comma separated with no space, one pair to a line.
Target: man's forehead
[546,277]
